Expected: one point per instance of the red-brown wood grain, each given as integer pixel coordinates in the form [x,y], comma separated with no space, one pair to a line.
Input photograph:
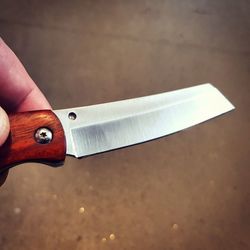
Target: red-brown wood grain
[21,145]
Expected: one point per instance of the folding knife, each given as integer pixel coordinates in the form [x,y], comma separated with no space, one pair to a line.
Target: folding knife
[47,136]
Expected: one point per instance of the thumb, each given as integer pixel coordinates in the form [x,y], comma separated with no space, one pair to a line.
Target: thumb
[4,126]
[4,132]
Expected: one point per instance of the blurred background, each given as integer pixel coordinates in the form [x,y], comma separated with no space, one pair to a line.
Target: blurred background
[187,191]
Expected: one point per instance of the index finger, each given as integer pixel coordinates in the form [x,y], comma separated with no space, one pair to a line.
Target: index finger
[18,92]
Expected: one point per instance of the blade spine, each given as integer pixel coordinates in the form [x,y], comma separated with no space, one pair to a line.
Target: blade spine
[140,113]
[148,111]
[140,97]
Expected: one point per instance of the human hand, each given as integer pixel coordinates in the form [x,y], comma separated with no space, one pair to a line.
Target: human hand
[18,92]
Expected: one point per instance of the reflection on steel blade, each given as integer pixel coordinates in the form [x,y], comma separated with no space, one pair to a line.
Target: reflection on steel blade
[98,128]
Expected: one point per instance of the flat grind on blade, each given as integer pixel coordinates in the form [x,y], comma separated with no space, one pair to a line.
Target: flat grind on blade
[108,126]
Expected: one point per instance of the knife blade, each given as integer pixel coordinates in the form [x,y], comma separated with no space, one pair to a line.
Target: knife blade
[50,135]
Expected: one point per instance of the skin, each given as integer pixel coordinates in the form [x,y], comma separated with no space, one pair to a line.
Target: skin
[18,92]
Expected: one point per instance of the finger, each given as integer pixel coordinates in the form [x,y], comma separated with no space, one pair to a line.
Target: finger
[4,132]
[18,91]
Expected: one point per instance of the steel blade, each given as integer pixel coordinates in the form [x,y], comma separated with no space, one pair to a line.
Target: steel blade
[98,128]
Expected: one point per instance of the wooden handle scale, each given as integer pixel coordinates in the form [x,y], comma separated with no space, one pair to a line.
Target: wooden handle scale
[34,136]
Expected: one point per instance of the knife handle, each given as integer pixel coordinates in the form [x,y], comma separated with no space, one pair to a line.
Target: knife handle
[34,136]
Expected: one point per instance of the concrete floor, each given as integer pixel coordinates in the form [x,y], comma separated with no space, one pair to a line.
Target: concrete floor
[187,191]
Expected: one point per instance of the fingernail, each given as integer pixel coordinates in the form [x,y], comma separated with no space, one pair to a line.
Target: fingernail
[4,126]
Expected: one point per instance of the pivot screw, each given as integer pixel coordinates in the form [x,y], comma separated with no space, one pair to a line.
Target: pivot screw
[43,136]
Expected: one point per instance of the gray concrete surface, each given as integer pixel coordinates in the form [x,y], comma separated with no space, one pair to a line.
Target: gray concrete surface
[187,191]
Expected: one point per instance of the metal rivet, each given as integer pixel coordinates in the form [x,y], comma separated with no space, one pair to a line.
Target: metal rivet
[72,116]
[43,136]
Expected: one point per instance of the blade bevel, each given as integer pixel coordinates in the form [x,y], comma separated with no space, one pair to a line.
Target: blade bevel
[103,127]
